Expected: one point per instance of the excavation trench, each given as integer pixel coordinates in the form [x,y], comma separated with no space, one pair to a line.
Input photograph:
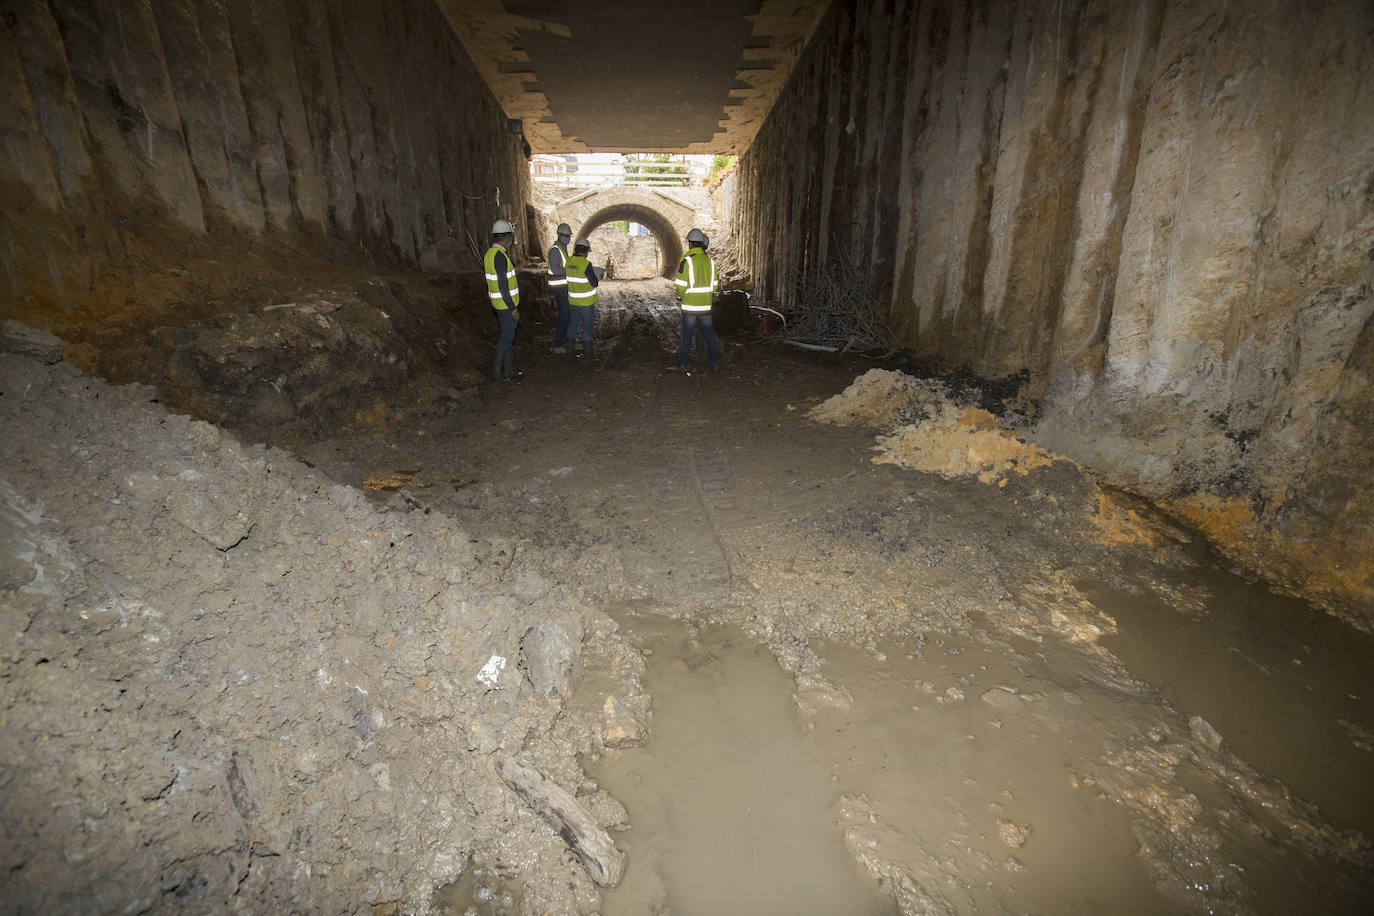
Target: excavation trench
[783,677]
[964,690]
[301,613]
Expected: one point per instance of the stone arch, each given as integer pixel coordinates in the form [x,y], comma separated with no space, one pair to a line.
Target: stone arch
[669,242]
[667,216]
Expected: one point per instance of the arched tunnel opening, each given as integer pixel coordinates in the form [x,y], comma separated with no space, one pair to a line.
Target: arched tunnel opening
[1008,549]
[665,235]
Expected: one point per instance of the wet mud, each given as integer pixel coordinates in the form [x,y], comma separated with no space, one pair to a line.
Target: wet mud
[951,633]
[729,802]
[951,673]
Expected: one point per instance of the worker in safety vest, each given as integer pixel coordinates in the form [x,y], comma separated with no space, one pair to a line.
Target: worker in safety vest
[504,293]
[558,285]
[582,283]
[696,282]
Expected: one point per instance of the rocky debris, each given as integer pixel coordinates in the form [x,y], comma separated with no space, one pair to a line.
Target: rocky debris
[863,837]
[928,429]
[22,340]
[220,522]
[929,425]
[246,685]
[1203,731]
[963,443]
[570,820]
[1012,833]
[625,720]
[1182,839]
[291,373]
[551,655]
[883,399]
[1003,699]
[815,692]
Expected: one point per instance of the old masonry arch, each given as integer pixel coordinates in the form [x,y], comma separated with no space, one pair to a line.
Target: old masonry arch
[667,218]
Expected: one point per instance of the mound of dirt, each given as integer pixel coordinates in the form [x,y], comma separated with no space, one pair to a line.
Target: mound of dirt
[959,441]
[931,429]
[963,443]
[881,399]
[291,349]
[293,371]
[227,683]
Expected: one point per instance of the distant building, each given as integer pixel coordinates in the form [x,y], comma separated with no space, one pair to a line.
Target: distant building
[600,170]
[578,170]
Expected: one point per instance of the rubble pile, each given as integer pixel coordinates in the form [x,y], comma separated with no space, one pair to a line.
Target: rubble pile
[227,682]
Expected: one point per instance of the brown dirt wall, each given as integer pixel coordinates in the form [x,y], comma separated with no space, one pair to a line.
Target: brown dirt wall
[141,135]
[1162,212]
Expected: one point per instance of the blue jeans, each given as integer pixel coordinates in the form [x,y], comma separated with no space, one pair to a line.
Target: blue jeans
[560,328]
[507,339]
[583,316]
[690,321]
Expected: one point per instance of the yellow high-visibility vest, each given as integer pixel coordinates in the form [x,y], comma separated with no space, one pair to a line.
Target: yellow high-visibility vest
[498,301]
[580,289]
[696,281]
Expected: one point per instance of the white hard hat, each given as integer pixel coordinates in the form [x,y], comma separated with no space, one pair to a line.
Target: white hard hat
[501,227]
[582,243]
[696,235]
[564,229]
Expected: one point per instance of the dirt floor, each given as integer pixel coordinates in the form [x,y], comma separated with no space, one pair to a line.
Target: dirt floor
[804,634]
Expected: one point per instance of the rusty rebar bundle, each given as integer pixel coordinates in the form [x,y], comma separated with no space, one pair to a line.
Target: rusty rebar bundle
[835,307]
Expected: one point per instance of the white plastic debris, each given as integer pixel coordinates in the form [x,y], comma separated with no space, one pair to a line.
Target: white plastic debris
[491,671]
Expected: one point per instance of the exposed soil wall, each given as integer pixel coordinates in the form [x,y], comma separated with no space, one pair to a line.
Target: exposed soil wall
[141,131]
[1163,211]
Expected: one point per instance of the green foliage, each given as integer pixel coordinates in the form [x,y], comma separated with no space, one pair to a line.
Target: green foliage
[719,166]
[657,168]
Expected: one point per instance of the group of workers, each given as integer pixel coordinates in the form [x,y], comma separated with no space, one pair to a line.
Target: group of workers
[573,282]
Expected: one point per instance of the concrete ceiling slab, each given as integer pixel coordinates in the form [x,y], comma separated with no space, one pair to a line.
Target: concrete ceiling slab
[636,75]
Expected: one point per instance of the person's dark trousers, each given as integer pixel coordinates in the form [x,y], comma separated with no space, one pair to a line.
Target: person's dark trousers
[505,343]
[560,327]
[690,322]
[583,321]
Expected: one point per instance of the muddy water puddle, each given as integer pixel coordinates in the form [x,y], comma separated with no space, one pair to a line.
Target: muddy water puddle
[479,891]
[977,779]
[732,810]
[1289,688]
[951,765]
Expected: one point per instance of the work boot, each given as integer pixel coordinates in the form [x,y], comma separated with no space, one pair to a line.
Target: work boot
[589,352]
[511,373]
[572,351]
[497,366]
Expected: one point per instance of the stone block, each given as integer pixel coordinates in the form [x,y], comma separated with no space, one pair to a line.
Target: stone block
[17,337]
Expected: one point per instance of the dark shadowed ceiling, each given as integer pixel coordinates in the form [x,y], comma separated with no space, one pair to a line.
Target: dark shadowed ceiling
[636,75]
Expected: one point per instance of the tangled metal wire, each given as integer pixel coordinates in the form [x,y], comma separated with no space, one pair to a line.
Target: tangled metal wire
[834,308]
